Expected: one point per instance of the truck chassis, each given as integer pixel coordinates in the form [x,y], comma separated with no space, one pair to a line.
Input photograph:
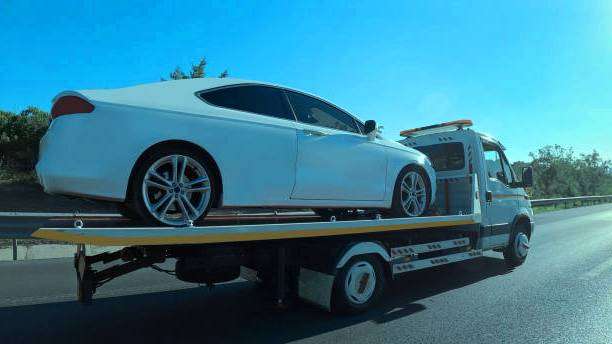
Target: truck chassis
[338,265]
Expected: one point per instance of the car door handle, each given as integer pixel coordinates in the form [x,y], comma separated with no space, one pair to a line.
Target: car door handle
[309,132]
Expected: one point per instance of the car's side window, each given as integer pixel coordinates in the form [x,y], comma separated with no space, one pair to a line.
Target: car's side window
[262,100]
[313,111]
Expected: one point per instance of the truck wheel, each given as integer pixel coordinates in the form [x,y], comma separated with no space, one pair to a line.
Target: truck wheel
[358,285]
[412,193]
[516,252]
[173,186]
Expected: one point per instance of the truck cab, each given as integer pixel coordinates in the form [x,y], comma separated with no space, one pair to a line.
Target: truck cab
[457,151]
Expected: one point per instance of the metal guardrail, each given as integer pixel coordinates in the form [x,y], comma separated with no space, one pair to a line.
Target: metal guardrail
[16,225]
[568,200]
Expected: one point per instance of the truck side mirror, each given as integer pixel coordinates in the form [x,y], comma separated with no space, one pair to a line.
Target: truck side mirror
[369,126]
[527,179]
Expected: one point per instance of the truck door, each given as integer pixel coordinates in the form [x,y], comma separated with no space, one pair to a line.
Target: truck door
[501,200]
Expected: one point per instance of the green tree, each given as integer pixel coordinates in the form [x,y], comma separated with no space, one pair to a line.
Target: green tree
[198,70]
[559,173]
[19,138]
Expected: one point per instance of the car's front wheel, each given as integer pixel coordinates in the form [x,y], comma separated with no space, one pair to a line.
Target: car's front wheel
[412,193]
[173,186]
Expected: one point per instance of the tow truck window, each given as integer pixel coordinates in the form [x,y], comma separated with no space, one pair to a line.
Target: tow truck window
[445,156]
[496,164]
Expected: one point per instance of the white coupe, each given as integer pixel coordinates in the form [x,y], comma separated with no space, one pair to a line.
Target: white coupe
[167,152]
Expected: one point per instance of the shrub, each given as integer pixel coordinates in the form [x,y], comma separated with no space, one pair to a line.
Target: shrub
[19,138]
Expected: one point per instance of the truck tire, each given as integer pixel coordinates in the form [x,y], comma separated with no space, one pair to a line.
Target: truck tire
[358,285]
[412,193]
[518,248]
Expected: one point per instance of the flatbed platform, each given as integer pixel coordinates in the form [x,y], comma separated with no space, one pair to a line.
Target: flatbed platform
[128,236]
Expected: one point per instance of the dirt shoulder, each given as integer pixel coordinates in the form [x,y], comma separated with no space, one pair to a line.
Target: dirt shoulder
[30,197]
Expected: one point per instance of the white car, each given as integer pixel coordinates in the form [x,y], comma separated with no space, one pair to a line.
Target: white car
[167,152]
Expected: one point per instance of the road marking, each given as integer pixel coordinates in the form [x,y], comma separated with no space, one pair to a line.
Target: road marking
[598,270]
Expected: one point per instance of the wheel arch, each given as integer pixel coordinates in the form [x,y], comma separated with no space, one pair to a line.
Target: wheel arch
[522,220]
[217,199]
[431,184]
[373,248]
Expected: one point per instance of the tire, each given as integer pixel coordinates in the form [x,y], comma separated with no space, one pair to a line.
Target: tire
[358,285]
[400,192]
[517,250]
[126,210]
[160,196]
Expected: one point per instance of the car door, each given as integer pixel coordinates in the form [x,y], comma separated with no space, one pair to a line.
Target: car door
[502,200]
[255,143]
[335,161]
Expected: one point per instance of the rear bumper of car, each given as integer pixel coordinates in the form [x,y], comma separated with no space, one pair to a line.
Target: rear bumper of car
[77,161]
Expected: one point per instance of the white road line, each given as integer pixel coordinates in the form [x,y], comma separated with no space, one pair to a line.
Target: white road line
[598,270]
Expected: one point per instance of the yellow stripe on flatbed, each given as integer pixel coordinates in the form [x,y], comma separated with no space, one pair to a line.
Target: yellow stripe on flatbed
[224,234]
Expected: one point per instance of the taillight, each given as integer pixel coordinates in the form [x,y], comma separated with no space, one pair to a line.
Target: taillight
[70,104]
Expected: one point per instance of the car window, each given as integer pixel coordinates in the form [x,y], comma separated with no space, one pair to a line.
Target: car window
[313,111]
[257,99]
[445,156]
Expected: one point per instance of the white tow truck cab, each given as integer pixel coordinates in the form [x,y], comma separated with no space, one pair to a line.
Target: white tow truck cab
[341,265]
[456,152]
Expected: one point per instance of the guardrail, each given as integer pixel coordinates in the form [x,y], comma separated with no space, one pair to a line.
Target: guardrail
[17,225]
[574,200]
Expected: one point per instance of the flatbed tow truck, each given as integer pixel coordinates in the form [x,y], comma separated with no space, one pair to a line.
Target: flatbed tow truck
[339,264]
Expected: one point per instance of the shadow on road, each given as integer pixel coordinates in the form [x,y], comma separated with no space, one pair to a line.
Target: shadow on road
[236,312]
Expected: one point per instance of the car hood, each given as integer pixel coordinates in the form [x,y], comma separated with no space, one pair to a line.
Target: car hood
[393,144]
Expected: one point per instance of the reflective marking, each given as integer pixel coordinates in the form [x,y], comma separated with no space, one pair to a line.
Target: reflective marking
[434,246]
[427,263]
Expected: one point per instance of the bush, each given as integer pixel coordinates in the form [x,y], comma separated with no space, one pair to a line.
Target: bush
[19,138]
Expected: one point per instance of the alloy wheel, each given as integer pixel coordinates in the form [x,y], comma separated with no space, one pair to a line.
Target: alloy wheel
[413,194]
[176,190]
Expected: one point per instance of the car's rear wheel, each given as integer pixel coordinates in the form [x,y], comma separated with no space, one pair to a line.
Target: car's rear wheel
[412,193]
[172,187]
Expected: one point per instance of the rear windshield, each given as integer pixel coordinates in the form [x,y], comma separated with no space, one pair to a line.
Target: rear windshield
[445,156]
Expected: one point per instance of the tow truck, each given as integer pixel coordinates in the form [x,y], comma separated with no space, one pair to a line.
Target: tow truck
[340,264]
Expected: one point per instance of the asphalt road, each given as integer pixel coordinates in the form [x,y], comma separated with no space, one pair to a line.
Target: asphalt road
[562,294]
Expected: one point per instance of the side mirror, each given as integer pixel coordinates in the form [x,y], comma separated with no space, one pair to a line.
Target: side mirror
[527,179]
[501,177]
[370,126]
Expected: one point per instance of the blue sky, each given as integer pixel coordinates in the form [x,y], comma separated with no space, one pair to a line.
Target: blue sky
[530,73]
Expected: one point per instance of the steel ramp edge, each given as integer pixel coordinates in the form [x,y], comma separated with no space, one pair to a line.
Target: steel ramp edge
[123,236]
